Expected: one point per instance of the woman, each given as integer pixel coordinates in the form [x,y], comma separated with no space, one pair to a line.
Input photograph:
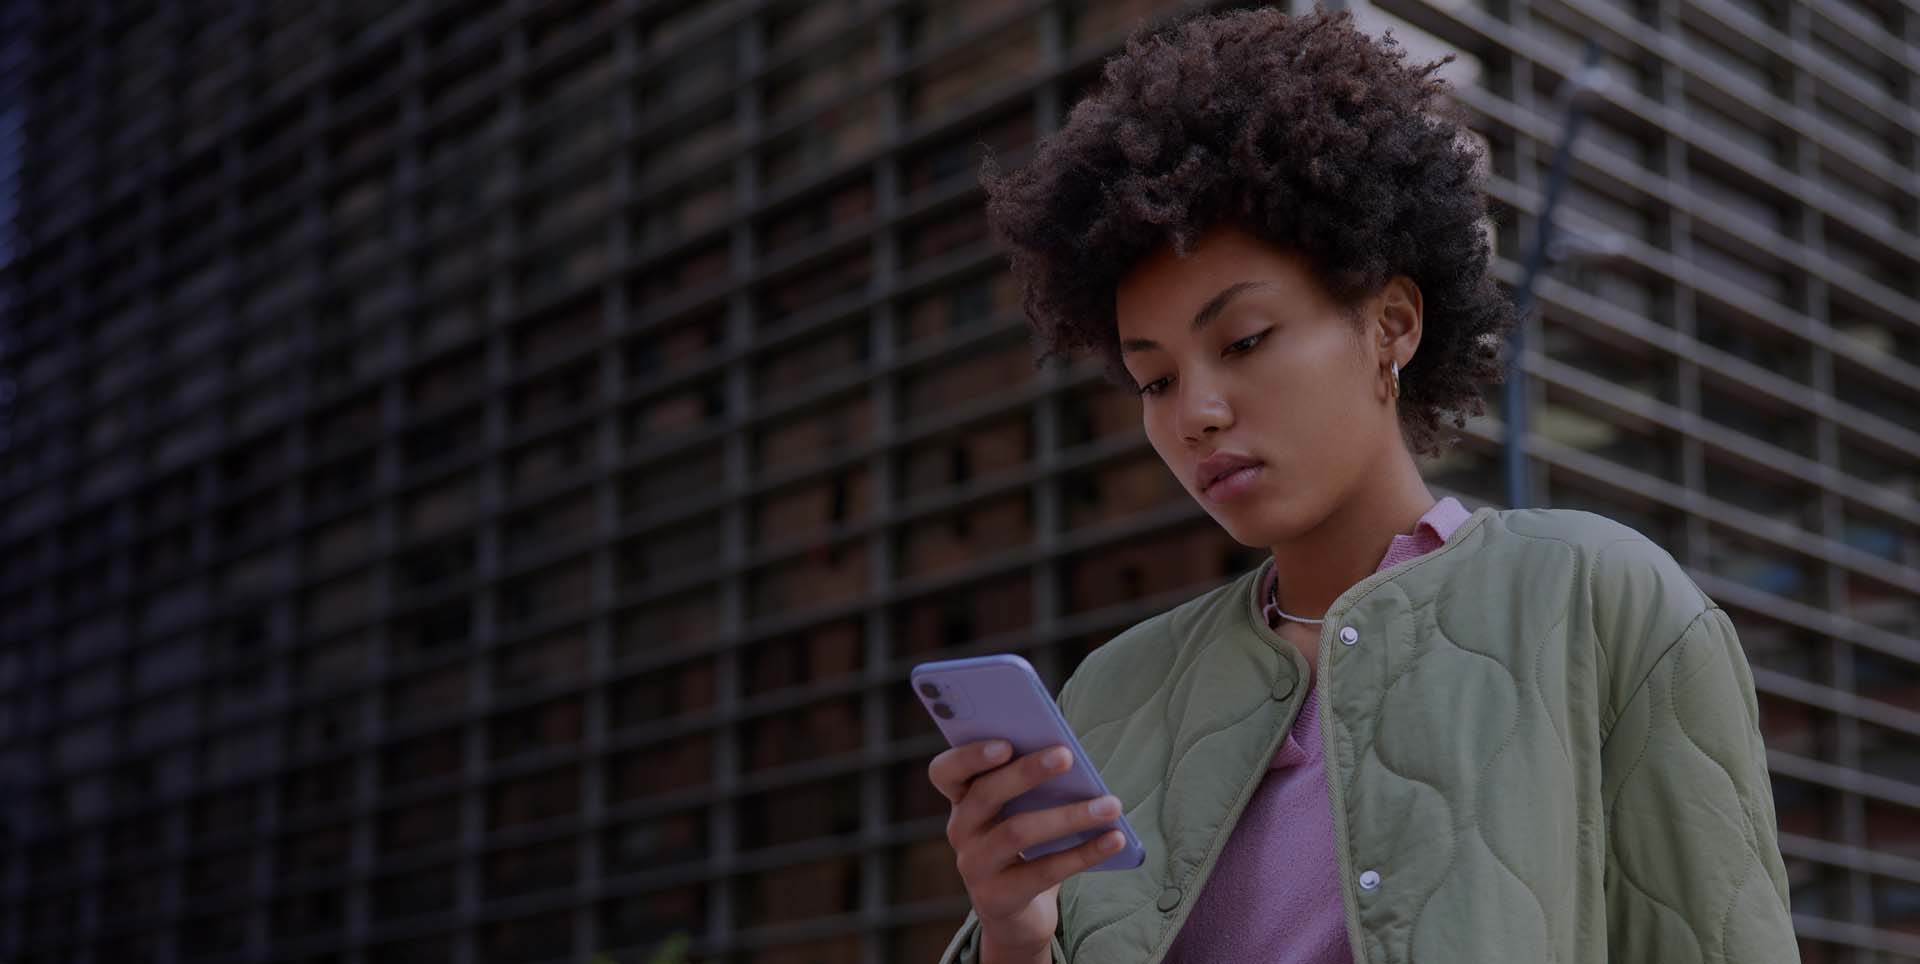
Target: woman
[1414,733]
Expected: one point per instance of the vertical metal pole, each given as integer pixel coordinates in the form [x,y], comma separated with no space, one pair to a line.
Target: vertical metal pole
[1577,93]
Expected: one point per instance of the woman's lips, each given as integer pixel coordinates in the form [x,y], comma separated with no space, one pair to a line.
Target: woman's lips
[1234,484]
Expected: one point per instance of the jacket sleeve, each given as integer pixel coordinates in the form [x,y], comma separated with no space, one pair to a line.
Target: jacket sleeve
[965,946]
[1694,872]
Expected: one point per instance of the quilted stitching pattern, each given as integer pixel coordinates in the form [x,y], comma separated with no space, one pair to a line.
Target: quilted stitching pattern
[1684,751]
[1499,878]
[1546,743]
[1209,693]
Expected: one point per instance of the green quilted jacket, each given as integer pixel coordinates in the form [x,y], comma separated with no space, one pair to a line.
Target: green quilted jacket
[1541,738]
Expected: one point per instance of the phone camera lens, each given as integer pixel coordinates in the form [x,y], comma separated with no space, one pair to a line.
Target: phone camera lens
[932,691]
[943,711]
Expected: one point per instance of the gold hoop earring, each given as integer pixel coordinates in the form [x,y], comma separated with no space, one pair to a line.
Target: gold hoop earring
[1394,389]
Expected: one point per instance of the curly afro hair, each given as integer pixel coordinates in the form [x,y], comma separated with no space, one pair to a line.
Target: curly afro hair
[1302,130]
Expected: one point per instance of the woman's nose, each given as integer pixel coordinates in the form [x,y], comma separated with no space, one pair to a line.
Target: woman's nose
[1207,410]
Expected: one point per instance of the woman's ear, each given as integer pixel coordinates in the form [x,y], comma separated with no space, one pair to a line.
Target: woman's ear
[1397,320]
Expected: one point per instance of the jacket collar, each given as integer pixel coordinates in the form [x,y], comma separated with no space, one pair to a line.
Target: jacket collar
[1464,541]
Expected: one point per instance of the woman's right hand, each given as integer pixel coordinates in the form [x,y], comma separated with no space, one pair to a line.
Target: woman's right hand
[1015,899]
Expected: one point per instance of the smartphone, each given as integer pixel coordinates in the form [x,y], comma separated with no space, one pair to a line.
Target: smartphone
[1000,697]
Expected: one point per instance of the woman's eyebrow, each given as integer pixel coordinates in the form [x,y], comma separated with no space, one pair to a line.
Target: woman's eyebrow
[1207,313]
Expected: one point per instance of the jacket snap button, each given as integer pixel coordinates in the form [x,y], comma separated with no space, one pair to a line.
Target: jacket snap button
[1349,635]
[1369,880]
[1170,898]
[1282,688]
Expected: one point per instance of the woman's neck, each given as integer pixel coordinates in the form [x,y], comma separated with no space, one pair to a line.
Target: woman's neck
[1314,569]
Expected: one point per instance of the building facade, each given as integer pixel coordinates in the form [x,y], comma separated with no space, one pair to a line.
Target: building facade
[475,477]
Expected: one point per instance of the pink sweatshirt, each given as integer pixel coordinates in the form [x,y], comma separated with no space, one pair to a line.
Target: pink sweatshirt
[1274,895]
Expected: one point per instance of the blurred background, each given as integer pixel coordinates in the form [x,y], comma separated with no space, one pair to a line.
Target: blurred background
[474,477]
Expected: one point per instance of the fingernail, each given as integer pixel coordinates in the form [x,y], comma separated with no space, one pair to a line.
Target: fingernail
[996,751]
[1110,841]
[1056,758]
[1104,807]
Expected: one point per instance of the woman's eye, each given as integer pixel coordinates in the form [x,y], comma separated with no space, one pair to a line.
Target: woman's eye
[1249,341]
[1249,338]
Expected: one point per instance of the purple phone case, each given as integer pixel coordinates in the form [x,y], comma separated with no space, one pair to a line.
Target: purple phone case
[1001,697]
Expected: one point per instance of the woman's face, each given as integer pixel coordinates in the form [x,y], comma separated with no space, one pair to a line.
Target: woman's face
[1275,371]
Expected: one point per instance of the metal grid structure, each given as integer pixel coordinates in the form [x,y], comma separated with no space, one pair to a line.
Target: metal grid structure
[480,474]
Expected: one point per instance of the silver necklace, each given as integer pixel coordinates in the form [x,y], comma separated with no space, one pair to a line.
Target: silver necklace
[1273,596]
